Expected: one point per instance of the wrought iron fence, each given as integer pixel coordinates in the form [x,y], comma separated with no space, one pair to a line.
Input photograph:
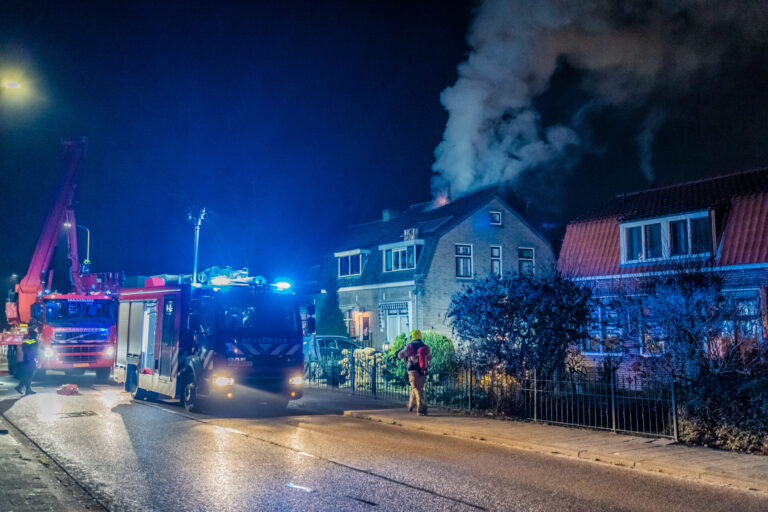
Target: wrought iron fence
[618,404]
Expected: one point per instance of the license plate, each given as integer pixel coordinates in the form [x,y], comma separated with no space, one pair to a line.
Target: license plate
[80,365]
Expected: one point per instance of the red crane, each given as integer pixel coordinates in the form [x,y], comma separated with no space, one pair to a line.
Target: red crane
[67,324]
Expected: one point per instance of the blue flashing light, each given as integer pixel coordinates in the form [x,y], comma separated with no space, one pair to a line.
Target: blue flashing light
[47,291]
[283,285]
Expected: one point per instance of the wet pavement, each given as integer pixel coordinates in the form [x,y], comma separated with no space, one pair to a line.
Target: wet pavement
[154,456]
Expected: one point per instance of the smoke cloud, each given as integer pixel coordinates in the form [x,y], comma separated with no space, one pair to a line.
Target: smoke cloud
[635,55]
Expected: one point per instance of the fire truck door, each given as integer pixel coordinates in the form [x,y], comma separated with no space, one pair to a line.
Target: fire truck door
[169,337]
[148,336]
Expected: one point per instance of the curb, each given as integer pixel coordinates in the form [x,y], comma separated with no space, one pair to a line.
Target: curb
[639,463]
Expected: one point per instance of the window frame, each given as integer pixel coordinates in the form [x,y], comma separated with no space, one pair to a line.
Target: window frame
[349,257]
[402,252]
[491,214]
[499,258]
[470,256]
[666,223]
[532,259]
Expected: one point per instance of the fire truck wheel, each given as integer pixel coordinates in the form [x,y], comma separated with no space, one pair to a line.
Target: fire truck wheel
[103,373]
[189,394]
[132,385]
[12,360]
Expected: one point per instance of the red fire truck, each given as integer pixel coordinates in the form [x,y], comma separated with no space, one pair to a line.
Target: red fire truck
[224,338]
[76,330]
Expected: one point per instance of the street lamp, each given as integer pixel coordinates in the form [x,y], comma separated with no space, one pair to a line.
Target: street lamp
[87,260]
[196,221]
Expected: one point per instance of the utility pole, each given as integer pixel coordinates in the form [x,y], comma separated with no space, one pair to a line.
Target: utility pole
[197,221]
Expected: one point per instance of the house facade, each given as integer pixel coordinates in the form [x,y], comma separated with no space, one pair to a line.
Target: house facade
[399,272]
[712,225]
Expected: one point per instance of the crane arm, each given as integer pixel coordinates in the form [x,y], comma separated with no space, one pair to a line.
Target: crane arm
[31,283]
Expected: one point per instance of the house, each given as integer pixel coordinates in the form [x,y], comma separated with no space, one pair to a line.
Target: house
[399,272]
[711,225]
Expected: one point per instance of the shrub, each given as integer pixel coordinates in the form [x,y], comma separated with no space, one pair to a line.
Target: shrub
[443,357]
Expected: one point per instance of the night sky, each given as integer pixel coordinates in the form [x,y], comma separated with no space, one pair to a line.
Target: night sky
[287,120]
[290,120]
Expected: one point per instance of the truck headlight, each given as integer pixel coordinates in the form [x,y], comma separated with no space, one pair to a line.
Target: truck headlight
[296,381]
[110,351]
[48,353]
[223,381]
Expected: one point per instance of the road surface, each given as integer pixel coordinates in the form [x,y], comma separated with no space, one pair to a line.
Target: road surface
[154,456]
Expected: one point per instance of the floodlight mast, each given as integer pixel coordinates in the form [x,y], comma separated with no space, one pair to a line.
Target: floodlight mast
[197,221]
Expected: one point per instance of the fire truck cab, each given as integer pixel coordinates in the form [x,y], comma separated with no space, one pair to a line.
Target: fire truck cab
[199,342]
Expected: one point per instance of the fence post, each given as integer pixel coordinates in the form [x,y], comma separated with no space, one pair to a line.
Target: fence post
[613,401]
[675,433]
[352,370]
[535,397]
[373,375]
[469,381]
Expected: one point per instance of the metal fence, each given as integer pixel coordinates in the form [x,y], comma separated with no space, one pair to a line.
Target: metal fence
[618,404]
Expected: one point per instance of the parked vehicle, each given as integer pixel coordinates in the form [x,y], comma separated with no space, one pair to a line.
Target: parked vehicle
[223,340]
[330,347]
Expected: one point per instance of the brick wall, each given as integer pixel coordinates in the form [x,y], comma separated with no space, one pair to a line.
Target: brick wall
[441,283]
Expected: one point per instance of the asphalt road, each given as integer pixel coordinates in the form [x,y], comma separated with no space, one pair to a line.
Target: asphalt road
[154,456]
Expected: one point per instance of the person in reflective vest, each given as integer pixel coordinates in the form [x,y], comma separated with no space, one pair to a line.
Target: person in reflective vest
[416,356]
[28,364]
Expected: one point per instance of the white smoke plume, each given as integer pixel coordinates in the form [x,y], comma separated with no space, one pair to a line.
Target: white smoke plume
[635,54]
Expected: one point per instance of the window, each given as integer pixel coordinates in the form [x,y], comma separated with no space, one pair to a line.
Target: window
[525,264]
[401,258]
[652,241]
[463,260]
[496,260]
[349,265]
[701,235]
[676,236]
[495,218]
[605,330]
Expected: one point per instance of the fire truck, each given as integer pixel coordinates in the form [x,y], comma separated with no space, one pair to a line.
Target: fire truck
[224,338]
[76,329]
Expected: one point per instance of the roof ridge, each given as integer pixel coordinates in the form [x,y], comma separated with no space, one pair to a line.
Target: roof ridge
[691,182]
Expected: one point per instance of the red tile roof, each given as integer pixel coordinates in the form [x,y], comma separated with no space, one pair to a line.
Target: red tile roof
[591,245]
[683,197]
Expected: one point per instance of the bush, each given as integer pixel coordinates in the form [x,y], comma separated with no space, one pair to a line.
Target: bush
[443,357]
[728,412]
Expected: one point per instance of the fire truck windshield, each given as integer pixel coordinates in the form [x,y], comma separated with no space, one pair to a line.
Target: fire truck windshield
[69,311]
[265,319]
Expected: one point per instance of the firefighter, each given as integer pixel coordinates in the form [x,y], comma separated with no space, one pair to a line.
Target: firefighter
[417,375]
[28,363]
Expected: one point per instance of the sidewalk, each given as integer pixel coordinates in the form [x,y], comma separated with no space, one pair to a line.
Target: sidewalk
[747,472]
[30,481]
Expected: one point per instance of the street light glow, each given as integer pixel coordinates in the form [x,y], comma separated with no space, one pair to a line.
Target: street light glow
[12,85]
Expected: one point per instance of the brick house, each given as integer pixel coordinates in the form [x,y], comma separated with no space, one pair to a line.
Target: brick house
[712,225]
[398,273]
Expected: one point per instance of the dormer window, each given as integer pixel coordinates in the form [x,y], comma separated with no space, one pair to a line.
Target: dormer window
[495,218]
[349,263]
[673,237]
[401,255]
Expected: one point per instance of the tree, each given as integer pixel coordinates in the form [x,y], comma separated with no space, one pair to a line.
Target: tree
[330,319]
[698,323]
[519,322]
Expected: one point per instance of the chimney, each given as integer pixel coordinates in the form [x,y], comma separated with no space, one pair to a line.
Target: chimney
[388,214]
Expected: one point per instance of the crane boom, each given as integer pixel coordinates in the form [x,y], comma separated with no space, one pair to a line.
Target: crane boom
[32,283]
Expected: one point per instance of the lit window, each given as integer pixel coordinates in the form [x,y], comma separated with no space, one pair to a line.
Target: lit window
[525,263]
[349,265]
[400,258]
[495,218]
[496,260]
[463,260]
[676,236]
